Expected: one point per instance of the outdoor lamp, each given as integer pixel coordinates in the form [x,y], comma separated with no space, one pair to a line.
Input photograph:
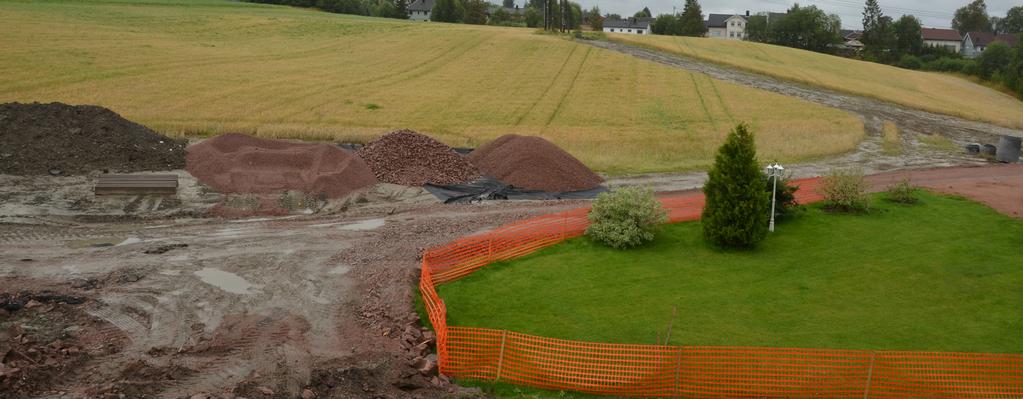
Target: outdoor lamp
[774,170]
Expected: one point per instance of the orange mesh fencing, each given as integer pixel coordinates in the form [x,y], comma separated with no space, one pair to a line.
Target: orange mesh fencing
[683,371]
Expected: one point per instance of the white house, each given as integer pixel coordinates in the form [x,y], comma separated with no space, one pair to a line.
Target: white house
[974,43]
[635,26]
[947,38]
[726,26]
[419,10]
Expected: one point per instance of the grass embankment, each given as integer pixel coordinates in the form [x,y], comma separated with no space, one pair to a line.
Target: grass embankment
[943,275]
[206,67]
[935,92]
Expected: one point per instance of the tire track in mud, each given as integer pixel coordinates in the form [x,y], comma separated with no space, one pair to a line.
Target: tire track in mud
[867,108]
[549,87]
[571,86]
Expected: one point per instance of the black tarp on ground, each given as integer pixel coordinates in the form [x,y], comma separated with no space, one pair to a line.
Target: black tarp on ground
[488,188]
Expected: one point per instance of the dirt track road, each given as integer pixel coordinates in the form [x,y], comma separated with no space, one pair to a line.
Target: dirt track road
[873,111]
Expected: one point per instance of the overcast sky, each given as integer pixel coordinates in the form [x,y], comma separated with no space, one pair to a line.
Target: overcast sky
[933,13]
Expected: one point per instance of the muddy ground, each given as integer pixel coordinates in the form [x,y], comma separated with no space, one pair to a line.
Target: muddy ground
[170,305]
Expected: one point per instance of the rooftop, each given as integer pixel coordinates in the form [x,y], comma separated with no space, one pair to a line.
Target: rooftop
[950,35]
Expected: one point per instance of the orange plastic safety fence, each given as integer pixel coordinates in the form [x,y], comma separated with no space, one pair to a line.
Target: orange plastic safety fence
[683,371]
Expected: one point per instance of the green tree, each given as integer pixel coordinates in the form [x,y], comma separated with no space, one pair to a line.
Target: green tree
[757,29]
[666,24]
[446,11]
[808,28]
[644,13]
[596,20]
[499,17]
[474,12]
[737,207]
[972,18]
[1013,21]
[908,39]
[508,4]
[691,20]
[872,25]
[533,17]
[995,58]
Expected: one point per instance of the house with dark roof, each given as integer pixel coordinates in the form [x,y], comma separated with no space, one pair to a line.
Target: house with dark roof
[419,10]
[974,43]
[635,26]
[727,26]
[947,38]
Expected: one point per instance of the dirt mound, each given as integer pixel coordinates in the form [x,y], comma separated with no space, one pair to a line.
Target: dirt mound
[66,139]
[535,163]
[237,163]
[412,159]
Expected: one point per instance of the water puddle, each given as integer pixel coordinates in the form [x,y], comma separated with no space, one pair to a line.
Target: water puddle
[340,269]
[226,281]
[368,224]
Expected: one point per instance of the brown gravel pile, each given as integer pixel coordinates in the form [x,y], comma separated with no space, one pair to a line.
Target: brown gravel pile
[412,159]
[63,139]
[237,163]
[533,162]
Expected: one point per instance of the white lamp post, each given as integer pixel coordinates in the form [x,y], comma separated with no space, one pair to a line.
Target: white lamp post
[774,170]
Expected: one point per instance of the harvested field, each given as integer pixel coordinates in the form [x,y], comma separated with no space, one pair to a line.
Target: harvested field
[63,139]
[207,67]
[930,91]
[237,163]
[412,159]
[533,162]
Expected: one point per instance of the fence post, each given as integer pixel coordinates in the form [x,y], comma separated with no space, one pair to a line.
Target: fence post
[870,374]
[500,356]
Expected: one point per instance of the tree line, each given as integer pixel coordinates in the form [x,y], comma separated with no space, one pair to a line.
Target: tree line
[377,8]
[900,43]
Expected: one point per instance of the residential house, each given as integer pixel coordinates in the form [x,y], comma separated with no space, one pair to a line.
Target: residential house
[726,26]
[947,38]
[851,40]
[419,10]
[635,26]
[974,43]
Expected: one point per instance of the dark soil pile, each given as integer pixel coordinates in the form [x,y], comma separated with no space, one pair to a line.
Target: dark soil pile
[66,139]
[237,163]
[533,162]
[412,159]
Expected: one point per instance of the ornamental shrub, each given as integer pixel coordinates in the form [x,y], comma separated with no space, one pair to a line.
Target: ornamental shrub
[738,200]
[845,191]
[902,192]
[626,217]
[785,201]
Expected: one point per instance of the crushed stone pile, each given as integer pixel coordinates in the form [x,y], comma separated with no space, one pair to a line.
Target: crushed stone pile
[412,159]
[533,162]
[238,163]
[62,139]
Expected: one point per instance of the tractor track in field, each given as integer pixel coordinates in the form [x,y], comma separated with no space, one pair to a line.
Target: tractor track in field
[548,89]
[907,119]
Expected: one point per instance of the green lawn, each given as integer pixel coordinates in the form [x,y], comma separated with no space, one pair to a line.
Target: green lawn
[943,275]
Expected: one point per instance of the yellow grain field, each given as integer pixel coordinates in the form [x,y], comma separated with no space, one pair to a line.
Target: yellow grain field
[935,92]
[205,67]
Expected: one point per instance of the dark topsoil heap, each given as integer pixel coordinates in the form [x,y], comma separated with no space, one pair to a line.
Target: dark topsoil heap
[237,163]
[36,138]
[409,158]
[534,163]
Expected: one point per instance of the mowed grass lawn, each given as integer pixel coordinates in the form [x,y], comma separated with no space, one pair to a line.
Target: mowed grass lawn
[207,67]
[943,275]
[935,92]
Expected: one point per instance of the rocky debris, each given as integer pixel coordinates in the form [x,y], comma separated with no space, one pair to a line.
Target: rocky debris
[60,139]
[163,248]
[308,394]
[533,162]
[412,159]
[238,163]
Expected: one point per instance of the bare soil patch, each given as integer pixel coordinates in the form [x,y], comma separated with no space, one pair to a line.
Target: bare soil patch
[63,139]
[997,186]
[237,163]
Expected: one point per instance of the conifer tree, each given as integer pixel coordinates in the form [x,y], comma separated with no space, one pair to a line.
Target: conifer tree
[738,207]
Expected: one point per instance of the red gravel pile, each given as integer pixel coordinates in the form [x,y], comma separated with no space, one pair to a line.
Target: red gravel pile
[237,163]
[412,159]
[534,163]
[63,139]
